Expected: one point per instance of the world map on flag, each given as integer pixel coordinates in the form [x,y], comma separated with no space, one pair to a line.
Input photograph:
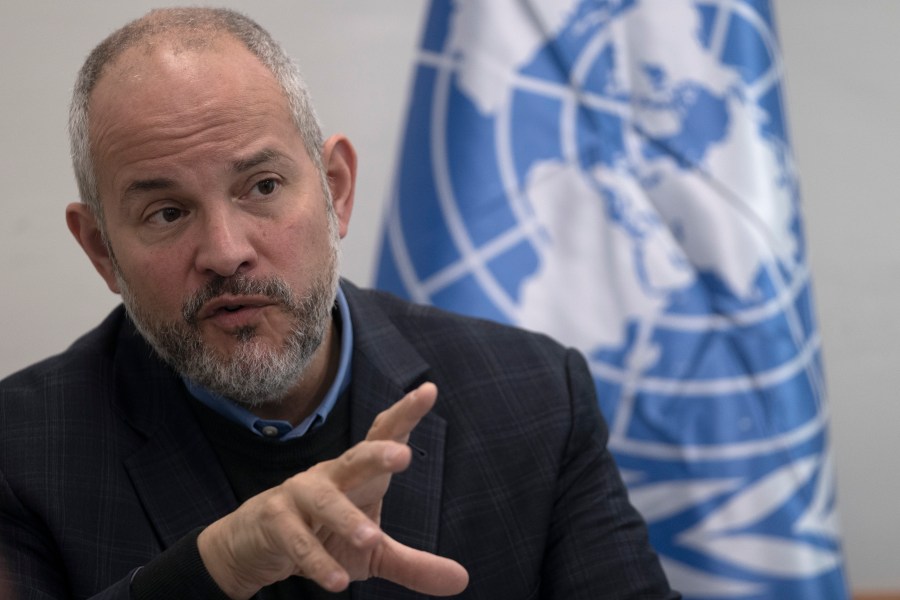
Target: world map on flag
[571,173]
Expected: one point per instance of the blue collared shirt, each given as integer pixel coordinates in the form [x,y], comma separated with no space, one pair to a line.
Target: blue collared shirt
[282,430]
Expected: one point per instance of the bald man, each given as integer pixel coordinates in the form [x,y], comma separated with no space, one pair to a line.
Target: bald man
[247,424]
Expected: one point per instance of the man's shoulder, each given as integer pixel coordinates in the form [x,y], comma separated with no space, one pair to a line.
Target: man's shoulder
[439,323]
[84,361]
[460,346]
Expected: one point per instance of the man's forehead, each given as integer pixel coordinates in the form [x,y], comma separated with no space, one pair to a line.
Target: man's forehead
[171,96]
[171,50]
[168,77]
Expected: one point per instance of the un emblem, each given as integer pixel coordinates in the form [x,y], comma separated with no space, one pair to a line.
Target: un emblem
[617,174]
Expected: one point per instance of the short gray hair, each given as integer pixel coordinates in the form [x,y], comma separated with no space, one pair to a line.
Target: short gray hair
[195,27]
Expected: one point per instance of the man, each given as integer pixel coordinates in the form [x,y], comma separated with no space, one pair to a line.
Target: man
[248,425]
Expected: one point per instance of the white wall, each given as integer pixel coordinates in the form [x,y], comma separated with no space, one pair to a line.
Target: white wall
[843,94]
[843,85]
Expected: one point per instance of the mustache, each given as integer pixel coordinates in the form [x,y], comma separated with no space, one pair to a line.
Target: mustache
[275,288]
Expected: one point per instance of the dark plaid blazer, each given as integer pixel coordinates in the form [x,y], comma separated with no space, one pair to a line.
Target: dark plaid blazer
[103,464]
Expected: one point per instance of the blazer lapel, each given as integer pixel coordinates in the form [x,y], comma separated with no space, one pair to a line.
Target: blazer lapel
[175,472]
[180,483]
[385,367]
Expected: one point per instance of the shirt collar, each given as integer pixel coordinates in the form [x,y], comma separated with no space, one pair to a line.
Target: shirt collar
[282,430]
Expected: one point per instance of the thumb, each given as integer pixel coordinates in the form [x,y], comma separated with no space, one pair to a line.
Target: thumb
[419,571]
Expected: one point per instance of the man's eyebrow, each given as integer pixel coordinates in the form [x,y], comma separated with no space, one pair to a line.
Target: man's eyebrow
[261,157]
[148,185]
[243,164]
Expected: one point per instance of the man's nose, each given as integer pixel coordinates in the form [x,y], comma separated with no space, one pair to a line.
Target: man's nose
[224,246]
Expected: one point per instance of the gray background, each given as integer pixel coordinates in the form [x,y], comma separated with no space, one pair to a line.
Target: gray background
[843,86]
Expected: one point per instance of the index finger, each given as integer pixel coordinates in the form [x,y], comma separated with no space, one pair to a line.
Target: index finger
[399,420]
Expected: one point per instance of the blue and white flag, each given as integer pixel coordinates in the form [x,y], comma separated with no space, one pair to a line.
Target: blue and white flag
[617,173]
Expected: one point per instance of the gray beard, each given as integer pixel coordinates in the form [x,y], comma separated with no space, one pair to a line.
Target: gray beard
[253,374]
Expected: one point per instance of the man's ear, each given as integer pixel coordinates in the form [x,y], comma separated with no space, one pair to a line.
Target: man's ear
[339,159]
[83,225]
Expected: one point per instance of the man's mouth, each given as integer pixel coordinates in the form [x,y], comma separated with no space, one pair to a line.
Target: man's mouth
[233,296]
[230,312]
[232,304]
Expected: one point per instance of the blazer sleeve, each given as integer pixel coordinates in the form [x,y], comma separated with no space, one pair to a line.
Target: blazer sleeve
[29,566]
[598,545]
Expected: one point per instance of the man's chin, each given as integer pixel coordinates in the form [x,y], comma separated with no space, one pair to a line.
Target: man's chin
[224,343]
[251,376]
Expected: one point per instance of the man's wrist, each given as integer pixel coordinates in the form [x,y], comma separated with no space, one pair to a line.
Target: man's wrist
[176,574]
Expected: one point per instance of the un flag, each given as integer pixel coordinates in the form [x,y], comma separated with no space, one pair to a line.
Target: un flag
[617,174]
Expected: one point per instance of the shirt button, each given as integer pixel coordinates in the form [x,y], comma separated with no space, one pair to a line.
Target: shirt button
[270,431]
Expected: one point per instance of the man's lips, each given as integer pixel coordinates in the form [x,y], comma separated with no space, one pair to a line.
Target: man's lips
[233,310]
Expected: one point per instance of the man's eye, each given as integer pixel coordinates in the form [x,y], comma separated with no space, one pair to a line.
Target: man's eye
[170,214]
[267,186]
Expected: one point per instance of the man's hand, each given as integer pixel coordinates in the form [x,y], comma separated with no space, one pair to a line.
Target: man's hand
[322,524]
